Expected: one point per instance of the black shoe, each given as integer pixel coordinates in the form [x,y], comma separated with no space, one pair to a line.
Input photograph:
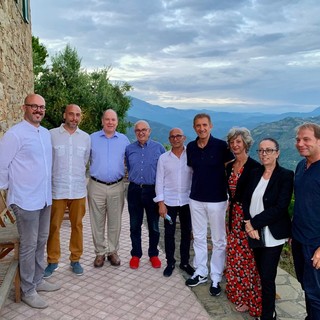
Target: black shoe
[167,272]
[215,291]
[195,280]
[187,268]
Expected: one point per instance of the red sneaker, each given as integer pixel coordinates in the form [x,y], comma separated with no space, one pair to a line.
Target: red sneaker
[155,262]
[134,262]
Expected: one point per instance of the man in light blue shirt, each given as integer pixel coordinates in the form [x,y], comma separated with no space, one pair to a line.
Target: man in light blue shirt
[25,170]
[142,158]
[106,188]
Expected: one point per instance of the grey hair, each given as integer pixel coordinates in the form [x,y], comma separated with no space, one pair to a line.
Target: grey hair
[244,133]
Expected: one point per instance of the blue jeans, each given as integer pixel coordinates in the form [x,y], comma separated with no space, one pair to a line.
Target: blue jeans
[267,260]
[33,228]
[140,199]
[308,276]
[169,234]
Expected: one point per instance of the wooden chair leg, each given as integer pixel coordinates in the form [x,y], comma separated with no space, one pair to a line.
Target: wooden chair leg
[17,286]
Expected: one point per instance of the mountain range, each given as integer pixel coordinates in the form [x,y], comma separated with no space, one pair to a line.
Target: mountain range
[278,126]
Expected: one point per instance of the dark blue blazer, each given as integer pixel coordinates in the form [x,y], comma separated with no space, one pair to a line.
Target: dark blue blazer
[276,200]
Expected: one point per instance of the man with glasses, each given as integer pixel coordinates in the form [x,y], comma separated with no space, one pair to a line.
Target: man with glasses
[25,170]
[106,188]
[173,183]
[142,158]
[71,150]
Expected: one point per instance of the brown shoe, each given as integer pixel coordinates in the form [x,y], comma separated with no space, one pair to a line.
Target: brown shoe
[114,259]
[99,261]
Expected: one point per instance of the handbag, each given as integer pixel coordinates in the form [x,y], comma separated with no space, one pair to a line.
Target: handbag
[255,243]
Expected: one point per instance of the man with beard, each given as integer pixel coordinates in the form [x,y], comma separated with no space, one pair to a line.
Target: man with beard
[25,170]
[71,150]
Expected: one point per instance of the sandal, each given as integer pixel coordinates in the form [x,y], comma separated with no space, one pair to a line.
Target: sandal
[242,308]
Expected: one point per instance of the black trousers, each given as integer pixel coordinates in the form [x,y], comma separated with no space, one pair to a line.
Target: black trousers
[170,230]
[267,260]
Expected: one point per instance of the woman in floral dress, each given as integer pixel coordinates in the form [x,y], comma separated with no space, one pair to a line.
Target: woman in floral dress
[243,282]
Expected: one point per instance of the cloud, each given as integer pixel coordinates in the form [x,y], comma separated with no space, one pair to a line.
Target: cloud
[188,53]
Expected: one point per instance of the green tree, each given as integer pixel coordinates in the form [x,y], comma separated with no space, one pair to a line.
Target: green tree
[39,56]
[66,82]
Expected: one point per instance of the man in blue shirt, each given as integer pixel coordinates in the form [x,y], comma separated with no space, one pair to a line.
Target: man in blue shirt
[106,188]
[207,156]
[142,158]
[306,218]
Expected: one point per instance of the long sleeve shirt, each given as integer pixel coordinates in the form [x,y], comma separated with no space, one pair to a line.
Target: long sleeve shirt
[70,156]
[25,166]
[173,179]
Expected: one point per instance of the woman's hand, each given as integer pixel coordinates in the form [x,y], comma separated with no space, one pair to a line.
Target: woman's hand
[252,233]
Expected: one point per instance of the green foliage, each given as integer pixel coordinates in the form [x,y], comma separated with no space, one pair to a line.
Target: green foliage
[65,82]
[39,56]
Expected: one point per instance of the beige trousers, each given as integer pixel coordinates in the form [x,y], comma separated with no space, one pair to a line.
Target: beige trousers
[105,207]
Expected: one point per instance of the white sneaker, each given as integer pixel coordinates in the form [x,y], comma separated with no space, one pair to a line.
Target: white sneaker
[34,301]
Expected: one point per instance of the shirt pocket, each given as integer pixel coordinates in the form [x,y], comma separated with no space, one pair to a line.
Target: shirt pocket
[81,151]
[60,150]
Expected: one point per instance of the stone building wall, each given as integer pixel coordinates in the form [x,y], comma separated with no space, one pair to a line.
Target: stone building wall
[16,74]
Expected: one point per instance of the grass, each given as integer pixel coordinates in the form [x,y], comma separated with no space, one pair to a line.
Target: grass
[286,260]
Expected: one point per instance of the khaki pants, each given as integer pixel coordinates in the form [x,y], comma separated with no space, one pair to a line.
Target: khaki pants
[105,206]
[77,210]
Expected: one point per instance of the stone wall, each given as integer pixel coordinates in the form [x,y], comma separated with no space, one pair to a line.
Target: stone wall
[16,74]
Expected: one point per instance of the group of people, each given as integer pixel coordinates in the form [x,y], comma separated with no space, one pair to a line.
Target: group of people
[45,174]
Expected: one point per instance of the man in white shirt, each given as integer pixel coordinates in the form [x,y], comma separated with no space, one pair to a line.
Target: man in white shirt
[173,183]
[25,170]
[71,150]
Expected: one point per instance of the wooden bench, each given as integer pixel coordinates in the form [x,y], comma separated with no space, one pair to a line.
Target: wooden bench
[9,255]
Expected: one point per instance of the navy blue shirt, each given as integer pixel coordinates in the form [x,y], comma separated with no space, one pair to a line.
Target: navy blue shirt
[142,161]
[209,182]
[306,218]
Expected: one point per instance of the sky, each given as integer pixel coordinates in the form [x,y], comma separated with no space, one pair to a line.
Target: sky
[226,55]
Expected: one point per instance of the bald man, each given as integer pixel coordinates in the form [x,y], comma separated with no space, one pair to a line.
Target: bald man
[106,188]
[71,150]
[25,170]
[173,184]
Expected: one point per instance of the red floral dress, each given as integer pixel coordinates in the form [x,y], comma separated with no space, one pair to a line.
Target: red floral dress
[243,282]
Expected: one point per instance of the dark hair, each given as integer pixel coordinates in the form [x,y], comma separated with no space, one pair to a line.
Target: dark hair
[272,140]
[201,115]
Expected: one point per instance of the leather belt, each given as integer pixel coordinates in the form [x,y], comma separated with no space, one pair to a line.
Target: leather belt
[107,183]
[144,185]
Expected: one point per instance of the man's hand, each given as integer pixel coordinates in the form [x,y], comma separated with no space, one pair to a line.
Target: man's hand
[316,259]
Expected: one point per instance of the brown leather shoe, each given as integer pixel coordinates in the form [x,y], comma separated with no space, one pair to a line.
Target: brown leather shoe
[99,261]
[114,259]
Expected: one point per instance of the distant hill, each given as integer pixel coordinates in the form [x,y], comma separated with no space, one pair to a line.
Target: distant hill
[284,132]
[163,119]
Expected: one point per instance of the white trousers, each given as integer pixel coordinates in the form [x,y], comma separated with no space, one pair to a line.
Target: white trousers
[213,213]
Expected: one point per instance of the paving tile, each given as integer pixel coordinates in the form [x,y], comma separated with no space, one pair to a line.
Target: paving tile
[118,293]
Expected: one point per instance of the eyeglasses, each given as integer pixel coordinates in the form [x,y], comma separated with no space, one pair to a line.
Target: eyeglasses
[177,136]
[144,130]
[266,151]
[35,107]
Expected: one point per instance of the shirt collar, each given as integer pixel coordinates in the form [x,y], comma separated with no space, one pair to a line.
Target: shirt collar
[102,133]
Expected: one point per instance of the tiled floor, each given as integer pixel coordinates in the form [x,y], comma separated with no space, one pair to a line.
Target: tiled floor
[122,293]
[112,292]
